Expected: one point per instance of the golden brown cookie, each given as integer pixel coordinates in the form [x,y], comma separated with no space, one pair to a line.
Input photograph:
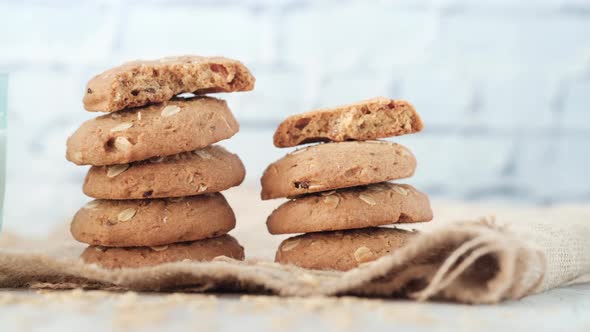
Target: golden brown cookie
[358,207]
[164,129]
[331,166]
[341,250]
[202,250]
[366,120]
[211,169]
[152,222]
[140,83]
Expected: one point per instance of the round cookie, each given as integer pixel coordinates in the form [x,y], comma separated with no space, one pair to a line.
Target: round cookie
[152,222]
[143,82]
[203,250]
[172,127]
[341,250]
[369,119]
[336,165]
[211,169]
[358,207]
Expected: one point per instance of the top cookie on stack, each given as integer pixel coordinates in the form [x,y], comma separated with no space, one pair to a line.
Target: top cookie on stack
[140,83]
[155,174]
[342,185]
[367,120]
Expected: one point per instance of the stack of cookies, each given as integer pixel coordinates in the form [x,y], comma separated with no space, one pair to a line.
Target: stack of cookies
[338,190]
[155,174]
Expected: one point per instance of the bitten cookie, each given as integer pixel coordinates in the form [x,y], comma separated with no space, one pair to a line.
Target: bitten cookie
[139,83]
[358,207]
[203,250]
[152,222]
[211,169]
[159,130]
[336,165]
[367,120]
[342,250]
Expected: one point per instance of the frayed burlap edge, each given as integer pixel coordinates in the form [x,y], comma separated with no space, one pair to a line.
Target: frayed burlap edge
[470,262]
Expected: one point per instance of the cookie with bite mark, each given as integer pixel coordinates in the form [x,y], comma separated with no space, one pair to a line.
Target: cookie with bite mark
[366,120]
[143,82]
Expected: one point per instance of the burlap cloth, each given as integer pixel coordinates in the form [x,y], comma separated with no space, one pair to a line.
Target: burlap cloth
[505,253]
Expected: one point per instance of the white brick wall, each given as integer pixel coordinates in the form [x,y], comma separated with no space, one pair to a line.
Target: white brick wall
[503,86]
[55,32]
[234,31]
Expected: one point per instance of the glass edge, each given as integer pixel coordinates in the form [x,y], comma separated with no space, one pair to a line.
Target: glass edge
[4,77]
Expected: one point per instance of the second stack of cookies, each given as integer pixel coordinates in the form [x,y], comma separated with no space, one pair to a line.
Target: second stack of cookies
[339,191]
[156,175]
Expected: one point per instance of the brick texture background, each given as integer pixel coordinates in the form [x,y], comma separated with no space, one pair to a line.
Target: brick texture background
[503,86]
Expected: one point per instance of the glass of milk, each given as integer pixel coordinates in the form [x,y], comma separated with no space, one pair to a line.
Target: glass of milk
[3,97]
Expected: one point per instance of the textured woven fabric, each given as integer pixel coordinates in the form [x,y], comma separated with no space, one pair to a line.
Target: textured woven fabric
[481,261]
